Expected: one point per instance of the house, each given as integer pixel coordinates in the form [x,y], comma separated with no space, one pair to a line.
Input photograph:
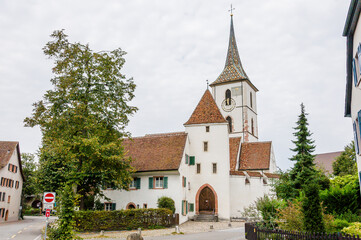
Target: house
[216,166]
[352,31]
[324,161]
[11,181]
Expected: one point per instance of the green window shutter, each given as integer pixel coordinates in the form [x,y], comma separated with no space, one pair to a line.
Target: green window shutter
[187,158]
[113,206]
[192,160]
[150,183]
[182,207]
[185,182]
[138,183]
[102,206]
[165,182]
[186,207]
[191,207]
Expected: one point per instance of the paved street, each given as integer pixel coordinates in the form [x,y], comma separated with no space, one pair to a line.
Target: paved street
[28,229]
[228,234]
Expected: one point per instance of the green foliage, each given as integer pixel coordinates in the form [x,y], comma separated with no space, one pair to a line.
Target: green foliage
[63,230]
[83,119]
[269,207]
[291,217]
[345,164]
[304,168]
[311,209]
[32,212]
[353,229]
[342,196]
[349,216]
[339,224]
[123,219]
[166,202]
[29,168]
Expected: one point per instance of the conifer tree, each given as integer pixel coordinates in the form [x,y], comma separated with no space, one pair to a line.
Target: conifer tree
[311,208]
[304,168]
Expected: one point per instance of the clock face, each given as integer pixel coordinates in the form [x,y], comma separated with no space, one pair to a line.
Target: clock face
[228,106]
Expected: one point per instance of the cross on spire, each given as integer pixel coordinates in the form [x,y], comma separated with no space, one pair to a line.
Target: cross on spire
[207,84]
[231,10]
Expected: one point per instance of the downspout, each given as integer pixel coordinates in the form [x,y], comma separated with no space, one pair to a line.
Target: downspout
[242,111]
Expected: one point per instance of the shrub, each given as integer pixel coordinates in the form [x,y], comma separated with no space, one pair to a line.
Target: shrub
[353,229]
[339,224]
[311,208]
[166,202]
[291,217]
[349,216]
[268,207]
[123,219]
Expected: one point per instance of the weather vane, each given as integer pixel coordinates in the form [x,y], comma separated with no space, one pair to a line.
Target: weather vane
[207,83]
[231,10]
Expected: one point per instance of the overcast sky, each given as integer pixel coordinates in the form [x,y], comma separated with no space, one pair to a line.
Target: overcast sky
[292,51]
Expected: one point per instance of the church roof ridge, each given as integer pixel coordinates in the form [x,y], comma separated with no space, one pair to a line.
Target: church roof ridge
[233,70]
[206,111]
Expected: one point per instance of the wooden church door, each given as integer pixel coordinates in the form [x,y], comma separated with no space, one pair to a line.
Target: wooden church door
[206,201]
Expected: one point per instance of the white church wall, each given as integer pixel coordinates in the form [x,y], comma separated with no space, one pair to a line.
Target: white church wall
[244,194]
[218,152]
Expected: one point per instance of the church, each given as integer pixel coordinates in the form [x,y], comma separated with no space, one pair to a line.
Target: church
[217,166]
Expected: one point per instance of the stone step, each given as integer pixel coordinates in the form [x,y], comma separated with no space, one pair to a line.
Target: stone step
[205,218]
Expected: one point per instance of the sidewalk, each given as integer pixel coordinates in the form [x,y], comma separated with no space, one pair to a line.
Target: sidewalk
[186,228]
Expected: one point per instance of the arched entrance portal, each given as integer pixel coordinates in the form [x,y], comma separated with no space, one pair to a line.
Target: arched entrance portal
[130,206]
[206,200]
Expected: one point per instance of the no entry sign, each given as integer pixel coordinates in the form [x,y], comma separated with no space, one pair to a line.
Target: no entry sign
[49,197]
[47,213]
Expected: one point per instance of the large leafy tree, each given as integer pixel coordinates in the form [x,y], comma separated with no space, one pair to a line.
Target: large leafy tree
[83,119]
[345,164]
[29,168]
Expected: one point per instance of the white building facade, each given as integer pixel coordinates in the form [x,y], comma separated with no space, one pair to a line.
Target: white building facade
[11,181]
[216,166]
[352,31]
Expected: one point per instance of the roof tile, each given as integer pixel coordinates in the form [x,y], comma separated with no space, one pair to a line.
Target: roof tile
[233,151]
[6,150]
[255,156]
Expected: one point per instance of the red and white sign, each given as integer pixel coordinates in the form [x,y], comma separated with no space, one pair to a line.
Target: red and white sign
[49,197]
[47,213]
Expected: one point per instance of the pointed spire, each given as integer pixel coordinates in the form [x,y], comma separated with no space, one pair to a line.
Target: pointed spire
[233,69]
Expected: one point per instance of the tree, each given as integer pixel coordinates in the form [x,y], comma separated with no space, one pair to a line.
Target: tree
[166,202]
[345,164]
[83,119]
[311,209]
[29,168]
[304,168]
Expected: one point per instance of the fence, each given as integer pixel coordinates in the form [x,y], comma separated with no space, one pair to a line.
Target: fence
[256,233]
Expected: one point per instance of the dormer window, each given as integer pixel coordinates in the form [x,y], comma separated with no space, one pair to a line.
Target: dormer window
[228,97]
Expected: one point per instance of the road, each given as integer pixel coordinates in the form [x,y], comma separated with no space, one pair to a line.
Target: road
[228,234]
[27,229]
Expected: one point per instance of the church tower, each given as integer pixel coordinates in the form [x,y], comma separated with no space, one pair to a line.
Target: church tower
[235,95]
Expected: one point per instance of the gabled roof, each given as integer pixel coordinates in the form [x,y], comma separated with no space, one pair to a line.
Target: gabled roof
[156,152]
[255,156]
[324,161]
[233,152]
[233,70]
[7,149]
[206,111]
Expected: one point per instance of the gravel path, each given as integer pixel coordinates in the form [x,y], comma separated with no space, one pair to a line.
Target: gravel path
[186,228]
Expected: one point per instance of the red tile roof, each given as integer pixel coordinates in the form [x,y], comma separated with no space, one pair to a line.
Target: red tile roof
[324,161]
[238,173]
[156,152]
[255,156]
[254,174]
[6,150]
[272,175]
[233,152]
[206,111]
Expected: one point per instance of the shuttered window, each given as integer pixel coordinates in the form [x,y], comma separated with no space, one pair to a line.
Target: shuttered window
[138,183]
[150,183]
[192,160]
[359,57]
[356,138]
[191,207]
[158,182]
[187,158]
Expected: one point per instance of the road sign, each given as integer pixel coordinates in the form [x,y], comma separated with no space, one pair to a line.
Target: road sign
[49,197]
[48,206]
[47,213]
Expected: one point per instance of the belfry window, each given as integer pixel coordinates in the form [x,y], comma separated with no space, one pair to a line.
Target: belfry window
[228,97]
[229,120]
[252,127]
[250,99]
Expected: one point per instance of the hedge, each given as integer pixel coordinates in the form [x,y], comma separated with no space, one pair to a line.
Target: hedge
[123,219]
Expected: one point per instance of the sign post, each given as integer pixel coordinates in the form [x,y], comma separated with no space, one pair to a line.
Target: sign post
[48,200]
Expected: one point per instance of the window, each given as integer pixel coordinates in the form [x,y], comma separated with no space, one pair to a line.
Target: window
[265,181]
[354,71]
[356,138]
[3,196]
[17,184]
[158,182]
[187,158]
[207,128]
[252,127]
[184,181]
[214,167]
[198,168]
[109,206]
[205,146]
[228,97]
[229,120]
[184,207]
[0,195]
[145,205]
[9,199]
[192,160]
[250,99]
[3,213]
[135,184]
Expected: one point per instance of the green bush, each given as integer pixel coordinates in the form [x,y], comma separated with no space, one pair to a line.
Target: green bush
[353,229]
[123,219]
[339,224]
[349,216]
[311,208]
[269,207]
[32,212]
[166,202]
